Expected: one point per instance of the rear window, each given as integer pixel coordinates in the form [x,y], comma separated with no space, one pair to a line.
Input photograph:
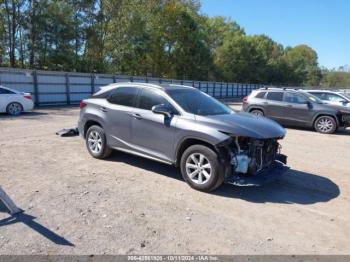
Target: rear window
[124,96]
[101,95]
[275,96]
[260,95]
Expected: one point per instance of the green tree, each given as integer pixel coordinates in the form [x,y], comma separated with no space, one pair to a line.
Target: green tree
[335,79]
[302,62]
[2,38]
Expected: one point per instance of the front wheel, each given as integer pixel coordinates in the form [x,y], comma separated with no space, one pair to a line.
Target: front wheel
[325,125]
[96,142]
[200,168]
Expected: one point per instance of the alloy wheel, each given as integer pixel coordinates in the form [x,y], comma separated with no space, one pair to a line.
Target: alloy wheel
[95,141]
[14,109]
[257,113]
[198,168]
[325,125]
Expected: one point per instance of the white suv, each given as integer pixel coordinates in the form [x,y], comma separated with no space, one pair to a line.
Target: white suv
[332,97]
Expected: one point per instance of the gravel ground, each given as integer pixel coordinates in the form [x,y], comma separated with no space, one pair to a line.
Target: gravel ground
[75,204]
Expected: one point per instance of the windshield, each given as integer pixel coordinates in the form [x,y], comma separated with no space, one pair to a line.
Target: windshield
[347,95]
[197,102]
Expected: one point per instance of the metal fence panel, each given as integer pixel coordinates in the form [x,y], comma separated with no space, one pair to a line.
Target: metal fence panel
[49,87]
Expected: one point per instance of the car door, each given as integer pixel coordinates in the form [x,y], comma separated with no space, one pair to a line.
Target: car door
[274,105]
[153,134]
[118,110]
[298,111]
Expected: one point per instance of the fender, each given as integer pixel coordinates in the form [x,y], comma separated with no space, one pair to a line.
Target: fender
[91,117]
[250,107]
[325,114]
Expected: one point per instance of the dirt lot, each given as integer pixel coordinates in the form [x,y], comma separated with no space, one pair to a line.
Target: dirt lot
[75,204]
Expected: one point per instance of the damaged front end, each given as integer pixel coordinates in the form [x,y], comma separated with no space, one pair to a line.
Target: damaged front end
[252,162]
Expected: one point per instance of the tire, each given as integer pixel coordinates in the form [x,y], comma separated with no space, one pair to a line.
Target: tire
[205,177]
[14,109]
[257,112]
[325,125]
[96,142]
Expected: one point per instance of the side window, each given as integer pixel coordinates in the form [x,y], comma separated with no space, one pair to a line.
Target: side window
[149,98]
[275,96]
[294,98]
[319,95]
[124,96]
[260,95]
[5,91]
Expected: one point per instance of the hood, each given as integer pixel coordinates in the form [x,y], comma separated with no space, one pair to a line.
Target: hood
[244,124]
[338,107]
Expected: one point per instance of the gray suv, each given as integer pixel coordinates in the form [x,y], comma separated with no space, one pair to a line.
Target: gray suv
[293,107]
[185,127]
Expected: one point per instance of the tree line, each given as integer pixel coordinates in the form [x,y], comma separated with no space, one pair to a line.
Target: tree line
[160,38]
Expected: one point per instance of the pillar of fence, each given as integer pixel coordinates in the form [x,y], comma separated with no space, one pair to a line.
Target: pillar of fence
[35,88]
[67,89]
[92,83]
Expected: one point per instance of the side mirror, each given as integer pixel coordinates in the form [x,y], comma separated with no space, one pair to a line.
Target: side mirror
[161,109]
[309,104]
[344,102]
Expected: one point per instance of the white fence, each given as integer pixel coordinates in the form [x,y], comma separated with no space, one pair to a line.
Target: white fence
[66,88]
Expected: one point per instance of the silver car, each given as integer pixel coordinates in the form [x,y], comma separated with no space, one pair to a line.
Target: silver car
[182,126]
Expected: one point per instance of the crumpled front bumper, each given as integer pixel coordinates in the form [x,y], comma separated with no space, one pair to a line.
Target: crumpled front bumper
[265,176]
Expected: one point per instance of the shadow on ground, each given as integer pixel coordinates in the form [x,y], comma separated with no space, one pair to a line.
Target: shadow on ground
[292,187]
[143,163]
[24,115]
[29,221]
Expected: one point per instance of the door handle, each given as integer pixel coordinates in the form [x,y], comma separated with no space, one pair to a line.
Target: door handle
[137,116]
[103,109]
[289,105]
[265,103]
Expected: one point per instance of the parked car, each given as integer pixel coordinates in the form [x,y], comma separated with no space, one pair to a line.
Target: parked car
[296,108]
[332,97]
[181,126]
[14,102]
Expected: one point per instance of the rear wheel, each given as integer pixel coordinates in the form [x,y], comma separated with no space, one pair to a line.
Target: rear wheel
[325,125]
[14,109]
[200,168]
[257,112]
[96,142]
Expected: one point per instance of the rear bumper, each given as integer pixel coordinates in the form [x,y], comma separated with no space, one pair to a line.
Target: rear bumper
[27,104]
[263,177]
[81,128]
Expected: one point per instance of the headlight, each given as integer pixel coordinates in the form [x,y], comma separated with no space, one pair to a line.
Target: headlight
[344,112]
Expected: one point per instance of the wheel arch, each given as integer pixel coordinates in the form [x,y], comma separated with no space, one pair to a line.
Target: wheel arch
[89,123]
[325,114]
[16,101]
[250,109]
[186,143]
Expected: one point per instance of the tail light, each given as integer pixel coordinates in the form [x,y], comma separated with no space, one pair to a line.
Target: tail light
[82,104]
[245,99]
[28,97]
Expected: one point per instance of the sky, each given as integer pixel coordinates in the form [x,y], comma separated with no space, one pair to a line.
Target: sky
[324,25]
